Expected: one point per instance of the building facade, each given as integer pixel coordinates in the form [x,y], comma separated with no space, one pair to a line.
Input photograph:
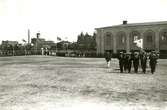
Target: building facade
[10,43]
[41,42]
[121,37]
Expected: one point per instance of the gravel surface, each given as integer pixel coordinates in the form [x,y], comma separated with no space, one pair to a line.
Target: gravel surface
[57,83]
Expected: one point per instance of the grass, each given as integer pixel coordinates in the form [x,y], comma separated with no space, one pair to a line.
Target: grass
[57,83]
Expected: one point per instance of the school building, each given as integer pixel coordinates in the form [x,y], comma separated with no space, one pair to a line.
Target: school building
[121,37]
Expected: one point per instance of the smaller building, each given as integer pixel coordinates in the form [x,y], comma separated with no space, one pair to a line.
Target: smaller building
[41,42]
[10,42]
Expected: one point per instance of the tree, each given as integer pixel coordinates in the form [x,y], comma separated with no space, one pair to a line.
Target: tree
[86,42]
[93,42]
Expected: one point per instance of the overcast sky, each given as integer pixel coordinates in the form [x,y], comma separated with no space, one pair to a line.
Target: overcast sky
[68,18]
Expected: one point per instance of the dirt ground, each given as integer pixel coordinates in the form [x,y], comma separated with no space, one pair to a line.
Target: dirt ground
[57,83]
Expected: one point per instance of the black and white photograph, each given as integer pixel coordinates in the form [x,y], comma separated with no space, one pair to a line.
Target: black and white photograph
[83,55]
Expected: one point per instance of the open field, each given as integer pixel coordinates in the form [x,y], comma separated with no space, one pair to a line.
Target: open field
[57,83]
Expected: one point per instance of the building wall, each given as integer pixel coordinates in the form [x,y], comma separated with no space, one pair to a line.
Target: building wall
[155,31]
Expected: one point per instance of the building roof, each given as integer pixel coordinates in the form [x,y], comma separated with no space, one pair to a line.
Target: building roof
[136,24]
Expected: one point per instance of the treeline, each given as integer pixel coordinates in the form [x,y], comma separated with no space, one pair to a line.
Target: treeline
[85,46]
[17,49]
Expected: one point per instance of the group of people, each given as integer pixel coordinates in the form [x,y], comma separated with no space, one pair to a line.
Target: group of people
[126,60]
[45,51]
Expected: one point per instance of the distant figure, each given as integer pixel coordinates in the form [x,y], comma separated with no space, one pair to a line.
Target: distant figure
[136,61]
[108,58]
[121,59]
[42,51]
[143,60]
[153,61]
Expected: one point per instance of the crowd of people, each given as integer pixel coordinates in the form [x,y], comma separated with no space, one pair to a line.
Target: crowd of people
[135,59]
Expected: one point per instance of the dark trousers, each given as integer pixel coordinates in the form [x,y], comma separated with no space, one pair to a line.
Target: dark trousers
[121,66]
[129,66]
[136,65]
[153,66]
[143,65]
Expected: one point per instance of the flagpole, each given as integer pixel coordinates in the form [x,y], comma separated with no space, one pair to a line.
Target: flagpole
[58,39]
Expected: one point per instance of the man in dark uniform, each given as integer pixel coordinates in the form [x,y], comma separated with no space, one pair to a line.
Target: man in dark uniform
[108,58]
[136,61]
[143,60]
[125,66]
[128,61]
[121,61]
[153,61]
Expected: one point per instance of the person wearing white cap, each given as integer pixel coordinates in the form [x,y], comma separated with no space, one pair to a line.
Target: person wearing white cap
[108,58]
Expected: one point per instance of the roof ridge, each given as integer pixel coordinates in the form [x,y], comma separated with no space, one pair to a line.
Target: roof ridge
[135,24]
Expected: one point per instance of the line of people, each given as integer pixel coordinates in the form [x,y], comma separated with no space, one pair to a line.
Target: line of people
[127,59]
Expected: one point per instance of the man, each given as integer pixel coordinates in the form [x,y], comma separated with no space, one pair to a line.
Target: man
[143,60]
[121,61]
[153,61]
[108,58]
[129,61]
[136,62]
[125,65]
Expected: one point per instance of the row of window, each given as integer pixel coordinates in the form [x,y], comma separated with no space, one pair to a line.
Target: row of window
[149,37]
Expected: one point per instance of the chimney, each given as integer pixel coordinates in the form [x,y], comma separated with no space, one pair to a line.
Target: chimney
[28,36]
[125,22]
[38,35]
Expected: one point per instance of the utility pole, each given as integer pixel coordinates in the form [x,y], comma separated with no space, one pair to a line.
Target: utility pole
[37,40]
[28,36]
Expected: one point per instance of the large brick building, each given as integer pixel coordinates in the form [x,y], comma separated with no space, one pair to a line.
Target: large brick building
[121,37]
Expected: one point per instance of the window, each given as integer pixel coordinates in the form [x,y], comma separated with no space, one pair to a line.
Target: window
[164,36]
[149,38]
[135,38]
[123,39]
[134,35]
[108,39]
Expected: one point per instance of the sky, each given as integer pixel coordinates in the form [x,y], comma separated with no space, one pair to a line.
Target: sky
[68,18]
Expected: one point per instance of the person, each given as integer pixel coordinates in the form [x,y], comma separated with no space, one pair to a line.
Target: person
[143,60]
[136,62]
[129,61]
[125,65]
[153,61]
[121,61]
[108,58]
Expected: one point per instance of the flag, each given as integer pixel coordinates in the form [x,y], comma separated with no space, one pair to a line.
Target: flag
[58,38]
[139,43]
[23,40]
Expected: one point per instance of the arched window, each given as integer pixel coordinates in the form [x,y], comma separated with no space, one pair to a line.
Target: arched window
[149,35]
[163,39]
[149,39]
[108,38]
[108,41]
[121,40]
[121,37]
[134,35]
